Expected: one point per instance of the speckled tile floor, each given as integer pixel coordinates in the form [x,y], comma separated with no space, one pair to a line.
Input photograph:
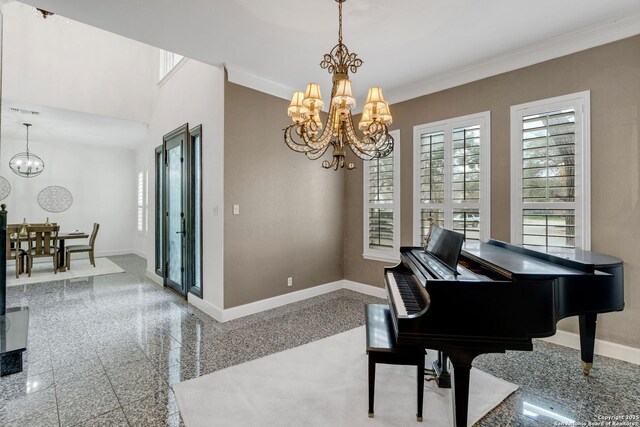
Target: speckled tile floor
[105,351]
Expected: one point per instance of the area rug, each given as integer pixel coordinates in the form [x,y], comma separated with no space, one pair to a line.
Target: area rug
[324,383]
[43,271]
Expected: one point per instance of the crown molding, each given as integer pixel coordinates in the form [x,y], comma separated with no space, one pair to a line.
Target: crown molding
[248,79]
[555,47]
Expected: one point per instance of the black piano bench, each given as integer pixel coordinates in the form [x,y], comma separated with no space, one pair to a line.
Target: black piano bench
[382,348]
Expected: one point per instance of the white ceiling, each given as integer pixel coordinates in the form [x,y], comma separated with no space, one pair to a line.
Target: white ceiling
[56,125]
[409,47]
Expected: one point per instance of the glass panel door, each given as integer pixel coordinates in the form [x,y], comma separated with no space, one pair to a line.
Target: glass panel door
[175,242]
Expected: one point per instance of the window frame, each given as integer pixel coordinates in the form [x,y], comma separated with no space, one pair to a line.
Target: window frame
[140,202]
[581,102]
[483,119]
[393,254]
[169,63]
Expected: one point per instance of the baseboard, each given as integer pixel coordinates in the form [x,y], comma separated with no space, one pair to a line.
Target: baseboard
[365,289]
[115,252]
[602,348]
[280,300]
[211,309]
[154,277]
[225,315]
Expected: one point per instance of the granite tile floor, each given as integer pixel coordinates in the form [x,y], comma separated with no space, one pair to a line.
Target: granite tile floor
[105,351]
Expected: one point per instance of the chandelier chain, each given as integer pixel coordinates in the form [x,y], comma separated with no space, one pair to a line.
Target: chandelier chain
[340,23]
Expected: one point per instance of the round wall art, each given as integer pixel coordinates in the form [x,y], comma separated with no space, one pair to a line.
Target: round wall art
[5,188]
[55,199]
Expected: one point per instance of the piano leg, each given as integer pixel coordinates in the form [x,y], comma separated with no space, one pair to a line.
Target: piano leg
[587,340]
[372,384]
[420,389]
[460,388]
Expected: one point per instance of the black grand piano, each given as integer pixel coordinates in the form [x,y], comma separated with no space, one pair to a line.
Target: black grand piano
[474,298]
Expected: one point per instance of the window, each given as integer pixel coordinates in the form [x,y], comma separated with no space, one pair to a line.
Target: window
[382,205]
[550,182]
[451,176]
[146,202]
[168,61]
[140,202]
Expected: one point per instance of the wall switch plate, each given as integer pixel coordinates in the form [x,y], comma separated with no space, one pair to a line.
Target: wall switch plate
[290,281]
[236,209]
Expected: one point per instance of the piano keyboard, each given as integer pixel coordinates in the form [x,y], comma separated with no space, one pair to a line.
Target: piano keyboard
[408,298]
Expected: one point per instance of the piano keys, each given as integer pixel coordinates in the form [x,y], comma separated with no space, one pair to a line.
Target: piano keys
[496,298]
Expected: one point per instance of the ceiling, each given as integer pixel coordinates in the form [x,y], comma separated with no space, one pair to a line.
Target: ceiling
[409,47]
[57,125]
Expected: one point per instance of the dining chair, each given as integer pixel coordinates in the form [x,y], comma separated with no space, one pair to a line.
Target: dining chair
[43,242]
[74,249]
[13,248]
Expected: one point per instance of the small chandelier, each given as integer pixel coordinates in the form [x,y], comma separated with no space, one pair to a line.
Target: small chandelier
[26,164]
[313,138]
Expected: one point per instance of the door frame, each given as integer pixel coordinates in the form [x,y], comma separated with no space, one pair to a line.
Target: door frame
[187,242]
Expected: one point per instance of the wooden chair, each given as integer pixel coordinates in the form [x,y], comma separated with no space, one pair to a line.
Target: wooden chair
[13,248]
[84,248]
[43,242]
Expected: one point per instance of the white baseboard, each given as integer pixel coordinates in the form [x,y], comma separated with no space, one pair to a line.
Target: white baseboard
[209,308]
[602,348]
[365,289]
[115,252]
[154,277]
[224,315]
[280,300]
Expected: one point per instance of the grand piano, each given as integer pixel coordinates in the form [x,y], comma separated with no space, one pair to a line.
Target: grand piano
[467,299]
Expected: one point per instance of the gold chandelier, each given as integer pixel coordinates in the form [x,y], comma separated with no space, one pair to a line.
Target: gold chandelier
[313,138]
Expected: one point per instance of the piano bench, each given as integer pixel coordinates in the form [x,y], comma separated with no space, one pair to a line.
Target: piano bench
[382,348]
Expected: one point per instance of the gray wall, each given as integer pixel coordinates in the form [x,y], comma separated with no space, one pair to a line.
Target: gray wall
[291,209]
[612,74]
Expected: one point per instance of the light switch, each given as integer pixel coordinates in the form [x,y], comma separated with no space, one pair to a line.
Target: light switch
[236,209]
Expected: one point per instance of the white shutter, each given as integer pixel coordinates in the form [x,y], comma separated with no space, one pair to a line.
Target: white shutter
[451,176]
[550,183]
[382,205]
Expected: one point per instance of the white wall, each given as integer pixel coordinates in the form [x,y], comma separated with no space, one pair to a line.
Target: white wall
[101,180]
[194,94]
[76,67]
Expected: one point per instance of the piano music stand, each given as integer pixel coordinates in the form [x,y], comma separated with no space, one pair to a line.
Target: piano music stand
[381,348]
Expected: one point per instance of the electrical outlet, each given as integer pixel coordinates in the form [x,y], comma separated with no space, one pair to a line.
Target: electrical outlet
[236,209]
[290,281]
[215,211]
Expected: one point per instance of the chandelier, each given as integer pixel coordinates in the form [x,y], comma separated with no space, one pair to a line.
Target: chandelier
[26,164]
[313,138]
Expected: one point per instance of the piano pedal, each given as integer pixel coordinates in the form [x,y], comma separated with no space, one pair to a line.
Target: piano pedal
[430,375]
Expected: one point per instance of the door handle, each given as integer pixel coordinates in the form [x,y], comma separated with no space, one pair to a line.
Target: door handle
[183,231]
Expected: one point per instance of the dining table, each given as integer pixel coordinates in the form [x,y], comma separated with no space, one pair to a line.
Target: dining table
[62,237]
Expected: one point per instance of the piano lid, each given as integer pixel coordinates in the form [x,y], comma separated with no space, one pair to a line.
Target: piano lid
[514,263]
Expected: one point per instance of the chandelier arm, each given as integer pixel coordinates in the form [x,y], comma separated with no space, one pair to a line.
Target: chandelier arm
[324,139]
[315,155]
[378,144]
[292,143]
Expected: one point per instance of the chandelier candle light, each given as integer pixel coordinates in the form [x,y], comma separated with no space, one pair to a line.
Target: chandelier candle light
[313,138]
[26,164]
